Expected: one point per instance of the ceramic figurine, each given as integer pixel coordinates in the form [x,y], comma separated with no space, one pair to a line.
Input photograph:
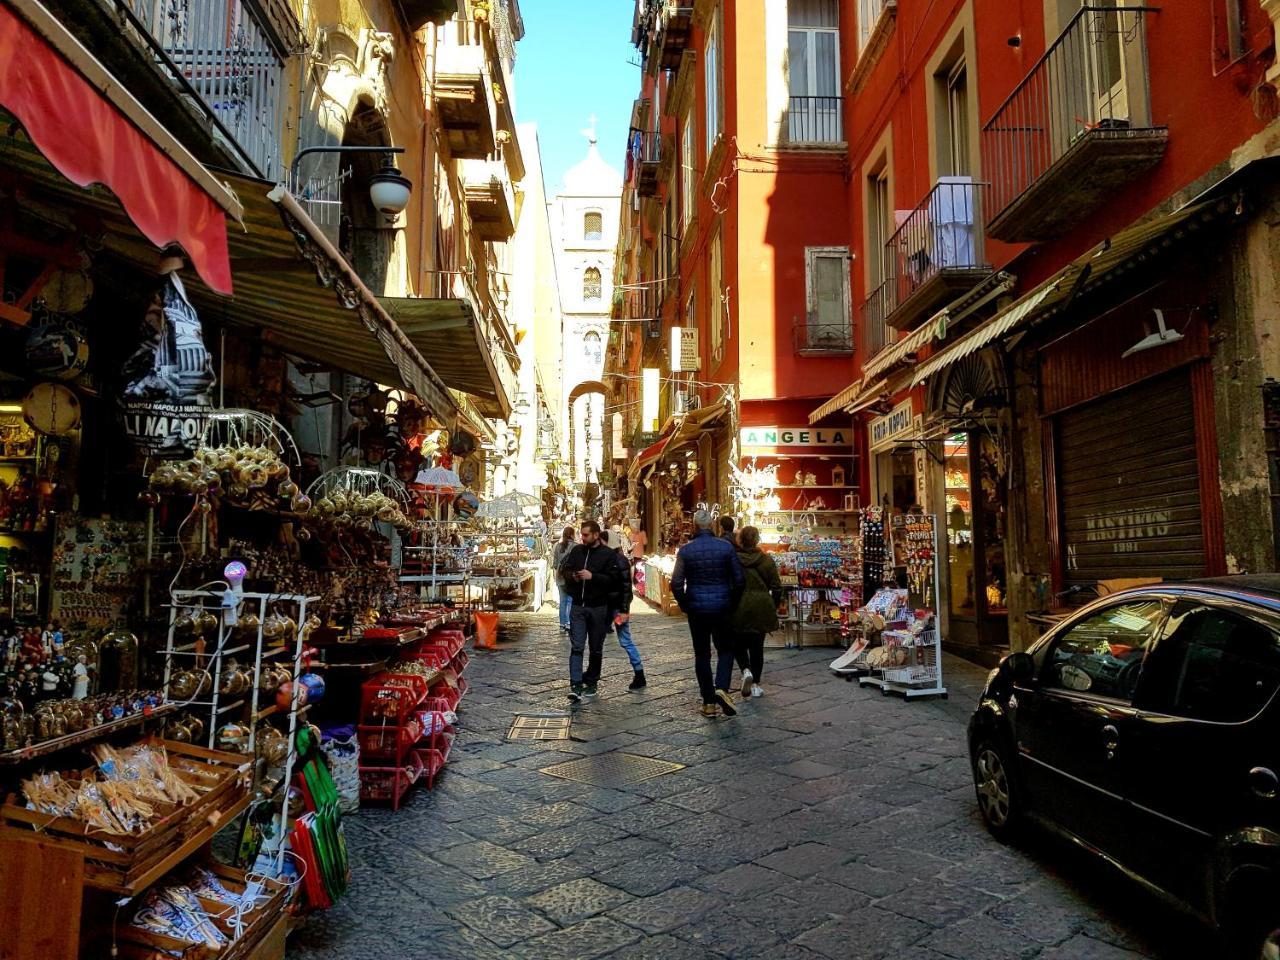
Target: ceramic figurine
[80,683]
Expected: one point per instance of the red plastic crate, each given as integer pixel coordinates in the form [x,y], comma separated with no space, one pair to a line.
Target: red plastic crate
[389,742]
[384,699]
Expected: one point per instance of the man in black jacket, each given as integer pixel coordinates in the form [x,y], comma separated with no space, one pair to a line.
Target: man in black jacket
[591,576]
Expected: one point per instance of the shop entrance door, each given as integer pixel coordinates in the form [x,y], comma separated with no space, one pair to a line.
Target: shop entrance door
[975,513]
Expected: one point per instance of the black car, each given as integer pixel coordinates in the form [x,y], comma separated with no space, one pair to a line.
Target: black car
[1144,728]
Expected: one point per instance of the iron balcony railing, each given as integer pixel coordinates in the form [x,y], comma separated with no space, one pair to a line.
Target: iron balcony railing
[224,53]
[813,120]
[1093,78]
[813,337]
[876,332]
[944,232]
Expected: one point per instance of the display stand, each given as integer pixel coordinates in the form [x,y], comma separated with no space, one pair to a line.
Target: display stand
[221,709]
[822,577]
[912,636]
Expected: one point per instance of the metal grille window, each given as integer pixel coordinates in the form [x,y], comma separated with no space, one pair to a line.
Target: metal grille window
[813,72]
[591,291]
[593,227]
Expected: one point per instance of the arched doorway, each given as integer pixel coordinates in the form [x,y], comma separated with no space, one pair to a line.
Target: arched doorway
[967,403]
[587,442]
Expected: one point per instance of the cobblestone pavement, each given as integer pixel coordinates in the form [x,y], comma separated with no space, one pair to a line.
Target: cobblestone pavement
[825,821]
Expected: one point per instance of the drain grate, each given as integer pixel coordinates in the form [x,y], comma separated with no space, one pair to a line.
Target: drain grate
[612,769]
[528,726]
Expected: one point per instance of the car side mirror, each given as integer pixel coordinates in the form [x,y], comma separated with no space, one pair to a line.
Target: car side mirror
[1018,667]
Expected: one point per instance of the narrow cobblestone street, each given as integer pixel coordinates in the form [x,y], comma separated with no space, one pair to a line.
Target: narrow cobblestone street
[824,821]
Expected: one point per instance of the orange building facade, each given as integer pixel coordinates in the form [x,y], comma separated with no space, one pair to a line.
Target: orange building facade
[1016,255]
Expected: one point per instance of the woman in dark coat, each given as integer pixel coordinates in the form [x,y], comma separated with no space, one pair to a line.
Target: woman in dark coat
[757,611]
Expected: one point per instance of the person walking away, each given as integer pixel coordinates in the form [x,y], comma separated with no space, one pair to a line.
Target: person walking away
[620,612]
[727,523]
[558,553]
[757,610]
[706,583]
[591,572]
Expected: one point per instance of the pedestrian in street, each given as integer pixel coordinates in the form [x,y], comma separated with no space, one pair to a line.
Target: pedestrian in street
[558,553]
[591,574]
[727,523]
[620,613]
[757,610]
[706,584]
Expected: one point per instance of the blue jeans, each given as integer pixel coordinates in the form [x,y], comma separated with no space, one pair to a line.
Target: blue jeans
[566,602]
[629,645]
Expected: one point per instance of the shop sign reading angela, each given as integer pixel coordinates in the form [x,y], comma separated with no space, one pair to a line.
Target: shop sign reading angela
[768,437]
[168,379]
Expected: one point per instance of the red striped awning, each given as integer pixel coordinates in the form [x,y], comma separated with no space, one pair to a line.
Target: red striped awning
[92,130]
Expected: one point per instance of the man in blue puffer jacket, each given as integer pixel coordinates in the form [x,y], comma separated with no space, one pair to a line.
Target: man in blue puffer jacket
[706,583]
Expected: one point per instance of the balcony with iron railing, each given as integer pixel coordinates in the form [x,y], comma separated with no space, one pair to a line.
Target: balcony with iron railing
[874,316]
[937,252]
[813,337]
[465,90]
[648,160]
[813,120]
[1075,129]
[491,201]
[230,59]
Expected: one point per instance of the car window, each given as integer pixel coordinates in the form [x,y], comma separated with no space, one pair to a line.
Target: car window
[1213,664]
[1102,654]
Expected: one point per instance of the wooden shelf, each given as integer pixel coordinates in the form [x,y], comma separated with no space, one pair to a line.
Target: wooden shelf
[46,747]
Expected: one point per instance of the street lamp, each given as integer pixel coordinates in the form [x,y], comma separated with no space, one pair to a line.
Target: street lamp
[388,189]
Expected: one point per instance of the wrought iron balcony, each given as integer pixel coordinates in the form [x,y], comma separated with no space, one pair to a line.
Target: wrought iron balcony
[813,338]
[938,251]
[490,198]
[1075,129]
[648,159]
[876,332]
[813,120]
[232,59]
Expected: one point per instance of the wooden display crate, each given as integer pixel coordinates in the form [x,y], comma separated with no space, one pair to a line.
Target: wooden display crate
[261,939]
[129,863]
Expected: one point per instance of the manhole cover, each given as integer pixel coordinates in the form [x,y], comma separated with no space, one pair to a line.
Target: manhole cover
[611,769]
[539,727]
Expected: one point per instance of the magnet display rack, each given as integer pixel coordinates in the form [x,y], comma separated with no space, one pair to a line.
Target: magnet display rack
[921,675]
[215,709]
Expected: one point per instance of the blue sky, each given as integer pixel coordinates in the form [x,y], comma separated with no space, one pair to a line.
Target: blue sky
[575,60]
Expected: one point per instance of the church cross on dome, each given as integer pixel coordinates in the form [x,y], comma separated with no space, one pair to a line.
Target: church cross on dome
[590,132]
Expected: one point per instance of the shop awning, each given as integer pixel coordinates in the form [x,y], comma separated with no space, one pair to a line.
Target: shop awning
[92,130]
[648,455]
[292,287]
[1102,264]
[836,403]
[935,328]
[451,334]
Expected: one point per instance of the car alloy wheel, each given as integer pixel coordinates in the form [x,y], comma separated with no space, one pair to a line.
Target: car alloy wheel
[992,780]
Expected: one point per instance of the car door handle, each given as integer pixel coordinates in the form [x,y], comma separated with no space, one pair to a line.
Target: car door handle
[1264,782]
[1110,740]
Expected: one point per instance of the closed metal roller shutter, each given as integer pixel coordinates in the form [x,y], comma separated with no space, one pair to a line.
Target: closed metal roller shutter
[1129,485]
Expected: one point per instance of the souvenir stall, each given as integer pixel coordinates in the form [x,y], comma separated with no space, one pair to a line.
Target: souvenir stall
[896,644]
[508,567]
[822,576]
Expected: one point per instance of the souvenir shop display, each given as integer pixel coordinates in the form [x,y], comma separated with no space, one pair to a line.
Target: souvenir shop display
[822,577]
[901,649]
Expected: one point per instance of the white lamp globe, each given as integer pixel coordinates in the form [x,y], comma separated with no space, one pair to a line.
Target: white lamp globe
[389,190]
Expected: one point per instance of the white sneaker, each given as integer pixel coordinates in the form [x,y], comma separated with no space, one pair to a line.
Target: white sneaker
[747,681]
[757,690]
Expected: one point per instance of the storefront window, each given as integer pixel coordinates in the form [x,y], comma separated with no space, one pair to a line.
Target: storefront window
[959,525]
